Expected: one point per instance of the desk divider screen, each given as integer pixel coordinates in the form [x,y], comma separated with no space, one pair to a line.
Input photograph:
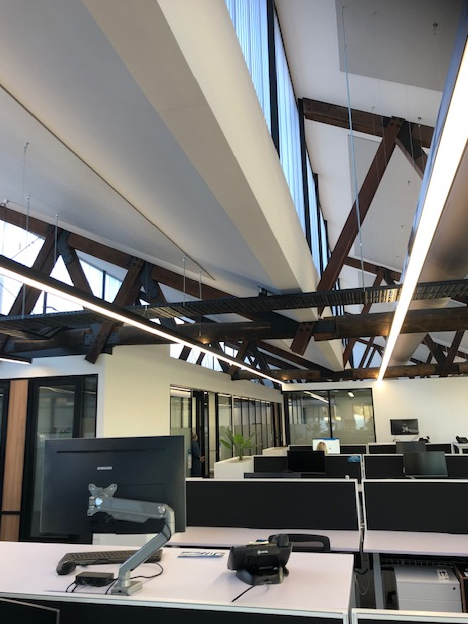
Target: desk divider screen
[440,446]
[383,466]
[256,503]
[270,463]
[378,447]
[353,449]
[339,466]
[27,612]
[457,466]
[415,505]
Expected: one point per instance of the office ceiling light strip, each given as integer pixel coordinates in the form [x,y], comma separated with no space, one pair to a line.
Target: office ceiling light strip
[450,151]
[36,279]
[15,359]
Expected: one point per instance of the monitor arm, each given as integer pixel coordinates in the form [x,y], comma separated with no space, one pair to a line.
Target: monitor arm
[102,499]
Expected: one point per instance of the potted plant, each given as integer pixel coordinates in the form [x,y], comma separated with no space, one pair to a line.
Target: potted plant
[235,467]
[238,442]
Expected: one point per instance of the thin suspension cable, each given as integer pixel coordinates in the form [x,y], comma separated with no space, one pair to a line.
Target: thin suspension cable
[55,239]
[183,262]
[353,155]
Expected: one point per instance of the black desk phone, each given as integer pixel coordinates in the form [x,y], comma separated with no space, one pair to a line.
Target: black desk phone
[461,439]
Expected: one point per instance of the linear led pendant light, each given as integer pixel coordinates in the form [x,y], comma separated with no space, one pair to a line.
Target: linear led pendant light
[36,279]
[445,163]
[15,359]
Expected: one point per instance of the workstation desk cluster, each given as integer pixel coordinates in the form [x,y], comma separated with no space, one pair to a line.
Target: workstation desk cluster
[402,518]
[220,514]
[199,591]
[414,520]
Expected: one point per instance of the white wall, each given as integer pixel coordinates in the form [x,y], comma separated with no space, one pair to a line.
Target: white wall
[440,405]
[137,389]
[134,385]
[134,392]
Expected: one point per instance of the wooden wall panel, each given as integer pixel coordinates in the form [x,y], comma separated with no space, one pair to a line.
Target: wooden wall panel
[14,459]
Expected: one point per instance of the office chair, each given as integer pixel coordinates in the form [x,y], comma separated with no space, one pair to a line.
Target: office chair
[304,542]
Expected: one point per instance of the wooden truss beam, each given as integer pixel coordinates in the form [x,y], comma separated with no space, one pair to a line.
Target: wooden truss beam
[368,123]
[351,227]
[126,295]
[365,310]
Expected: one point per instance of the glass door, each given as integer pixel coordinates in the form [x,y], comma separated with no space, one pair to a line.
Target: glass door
[63,407]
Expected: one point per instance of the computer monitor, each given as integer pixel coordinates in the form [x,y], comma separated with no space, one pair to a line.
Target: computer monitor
[414,446]
[149,469]
[332,444]
[432,464]
[306,461]
[404,426]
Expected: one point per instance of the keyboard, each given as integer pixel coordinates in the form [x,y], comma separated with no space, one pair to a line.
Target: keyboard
[69,561]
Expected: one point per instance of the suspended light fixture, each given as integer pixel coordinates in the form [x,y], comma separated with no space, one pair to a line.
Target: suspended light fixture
[35,279]
[449,145]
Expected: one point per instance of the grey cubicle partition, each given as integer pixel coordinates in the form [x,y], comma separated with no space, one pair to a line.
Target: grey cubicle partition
[390,447]
[391,466]
[447,447]
[353,449]
[384,466]
[427,505]
[28,613]
[344,466]
[378,447]
[457,466]
[270,463]
[255,503]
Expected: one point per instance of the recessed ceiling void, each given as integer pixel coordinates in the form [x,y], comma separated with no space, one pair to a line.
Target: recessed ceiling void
[417,36]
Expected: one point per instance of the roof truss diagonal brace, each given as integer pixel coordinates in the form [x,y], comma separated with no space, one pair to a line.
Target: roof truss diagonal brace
[27,297]
[351,227]
[412,148]
[365,310]
[128,291]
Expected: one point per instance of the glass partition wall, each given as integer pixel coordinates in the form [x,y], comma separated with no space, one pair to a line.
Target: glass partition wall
[209,414]
[344,414]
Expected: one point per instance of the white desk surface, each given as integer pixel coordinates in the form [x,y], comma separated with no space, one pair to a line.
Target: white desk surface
[317,581]
[224,537]
[420,543]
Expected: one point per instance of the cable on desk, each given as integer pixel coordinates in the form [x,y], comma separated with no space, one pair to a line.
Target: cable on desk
[140,576]
[248,589]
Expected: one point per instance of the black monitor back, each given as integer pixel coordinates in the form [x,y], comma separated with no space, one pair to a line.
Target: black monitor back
[413,446]
[425,464]
[306,461]
[143,468]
